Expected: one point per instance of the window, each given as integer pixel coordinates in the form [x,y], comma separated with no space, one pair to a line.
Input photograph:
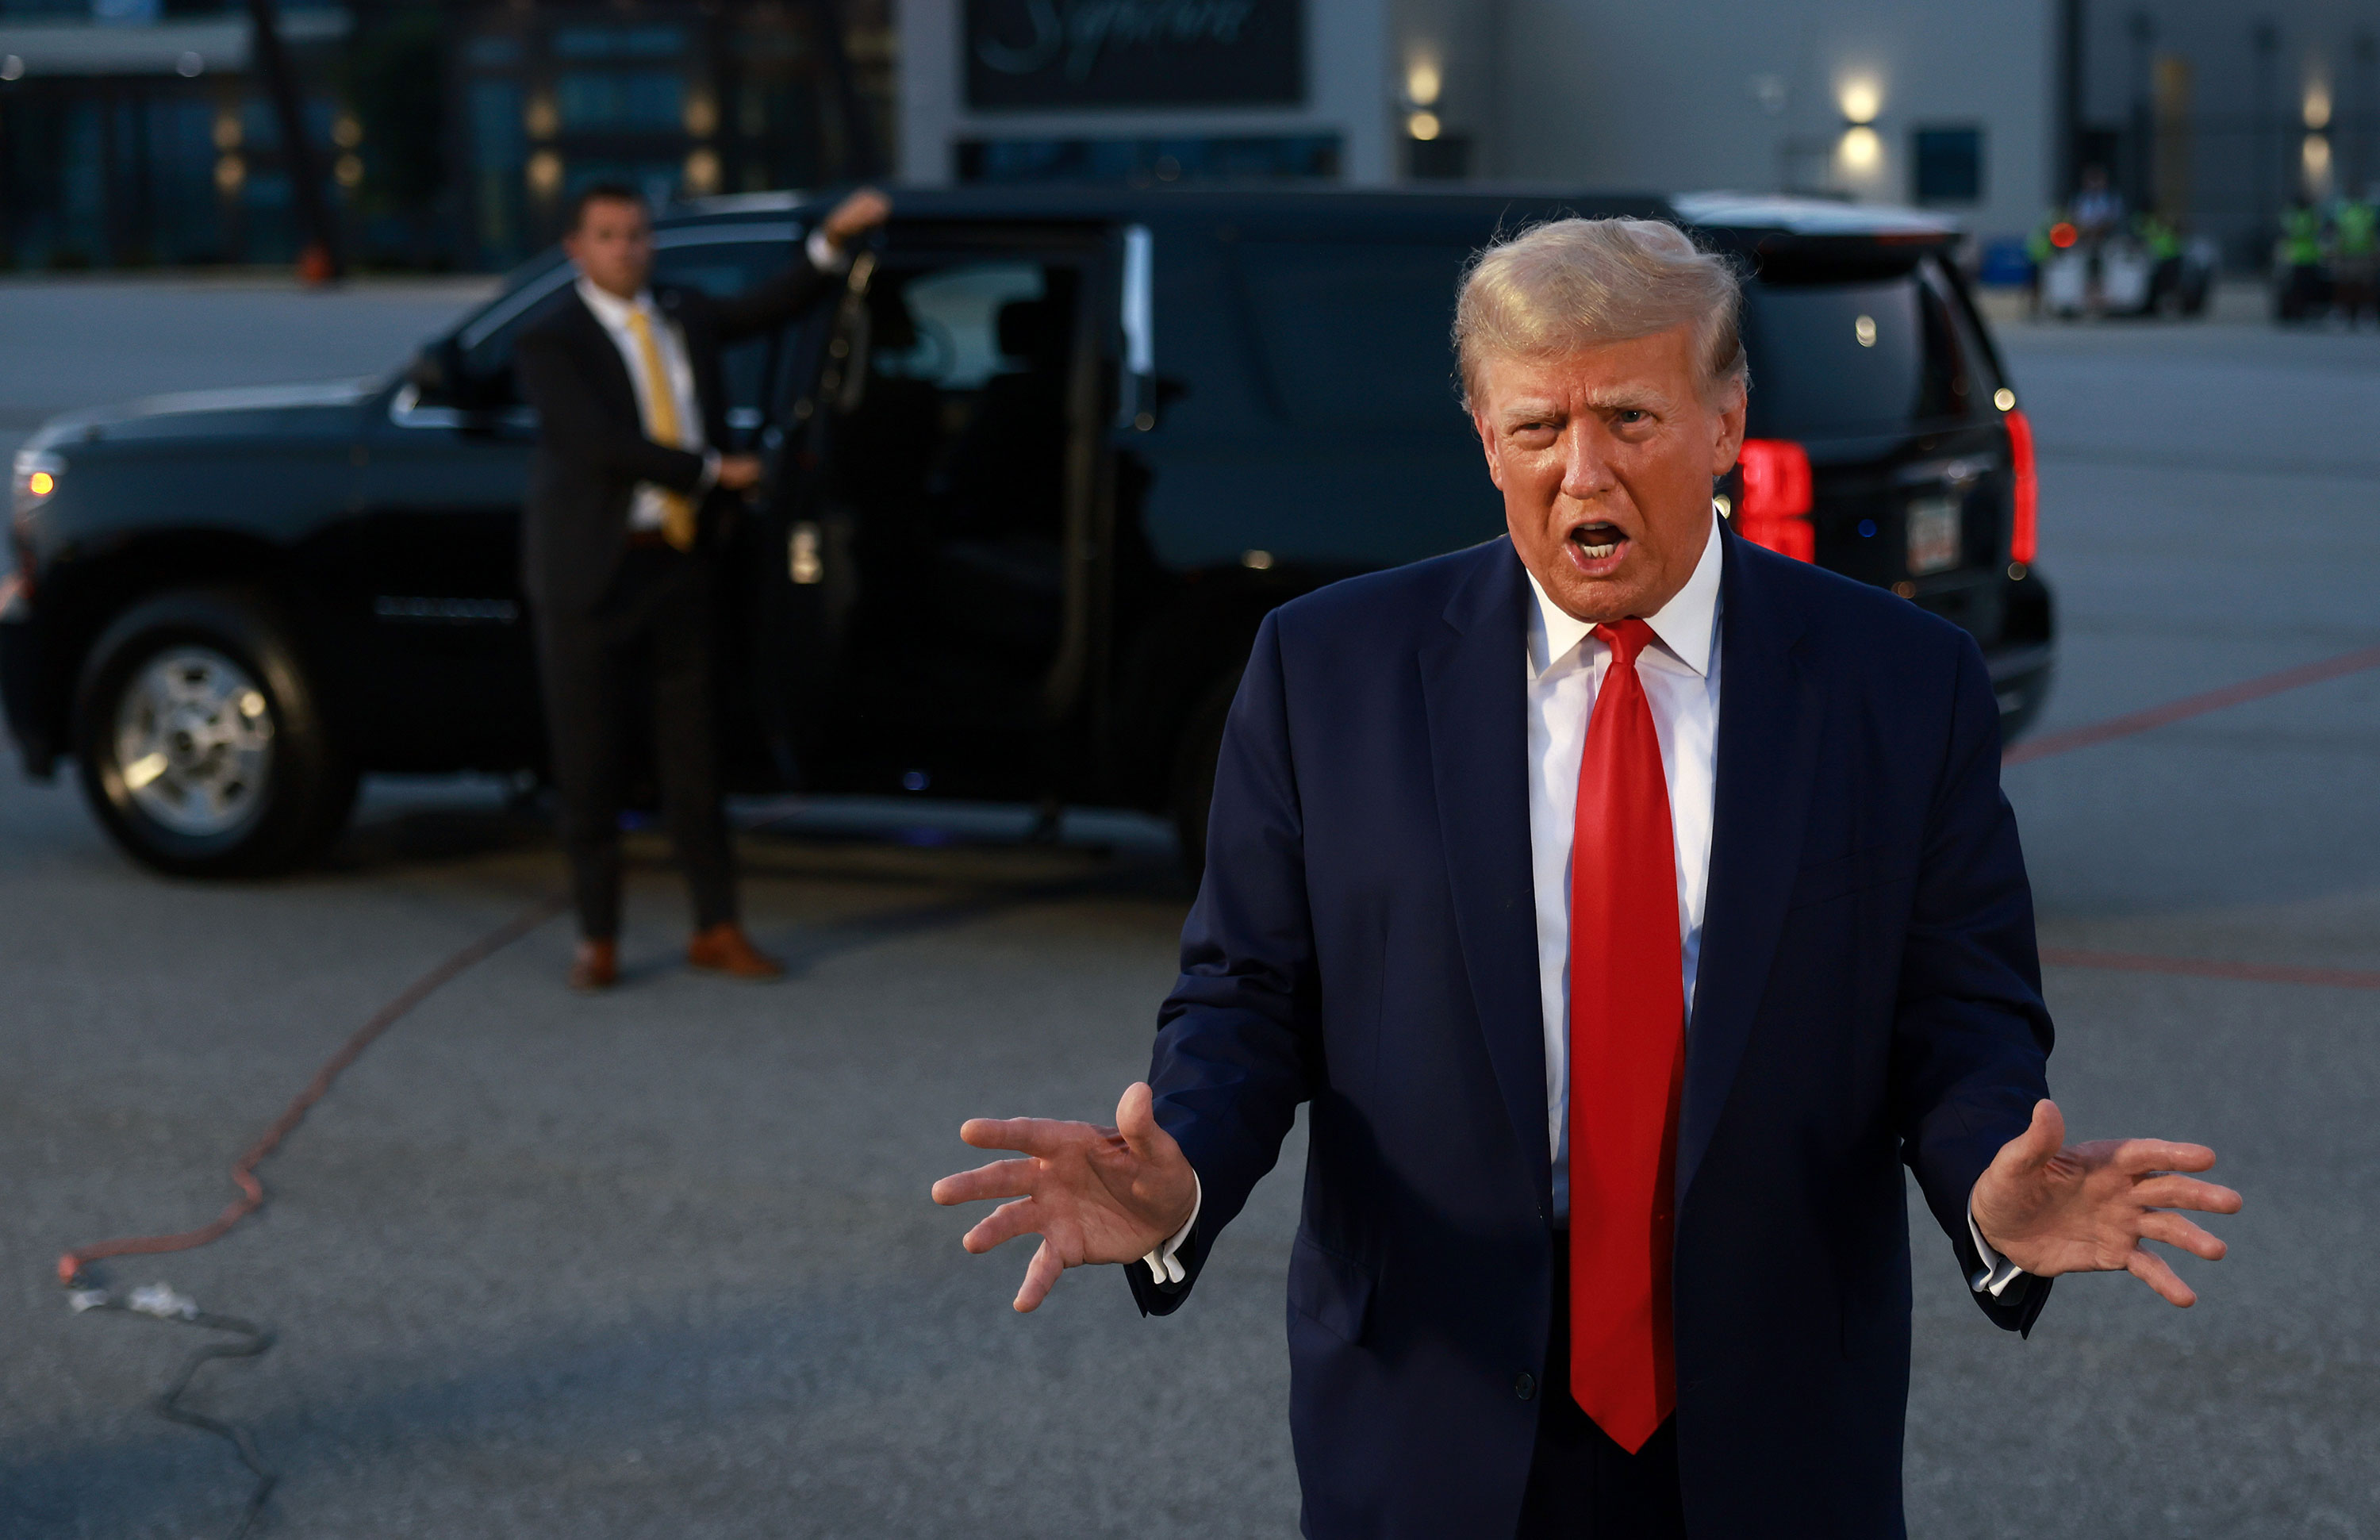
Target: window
[1950,165]
[620,99]
[1252,158]
[1837,358]
[953,324]
[1357,335]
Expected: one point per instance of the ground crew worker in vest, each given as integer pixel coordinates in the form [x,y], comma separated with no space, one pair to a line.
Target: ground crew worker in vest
[2301,284]
[2355,262]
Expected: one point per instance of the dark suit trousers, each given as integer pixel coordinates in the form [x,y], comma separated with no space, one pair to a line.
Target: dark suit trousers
[1582,1485]
[648,646]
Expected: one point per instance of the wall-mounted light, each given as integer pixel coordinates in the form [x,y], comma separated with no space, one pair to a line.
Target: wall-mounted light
[1424,79]
[702,114]
[1861,100]
[2314,155]
[1861,149]
[545,174]
[231,174]
[347,131]
[702,172]
[349,170]
[2316,107]
[227,131]
[540,118]
[1423,126]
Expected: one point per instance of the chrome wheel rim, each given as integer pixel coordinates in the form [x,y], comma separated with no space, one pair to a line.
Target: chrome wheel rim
[194,742]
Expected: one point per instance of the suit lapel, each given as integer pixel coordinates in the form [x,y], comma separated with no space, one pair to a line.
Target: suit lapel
[602,356]
[1475,691]
[1768,758]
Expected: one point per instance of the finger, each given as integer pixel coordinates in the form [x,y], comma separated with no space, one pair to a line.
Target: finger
[1136,1122]
[1001,1179]
[1042,1136]
[1040,1274]
[1003,1224]
[2151,1269]
[2175,1231]
[2137,1156]
[2185,1191]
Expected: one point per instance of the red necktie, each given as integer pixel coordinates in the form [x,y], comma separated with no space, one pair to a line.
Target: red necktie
[1627,1060]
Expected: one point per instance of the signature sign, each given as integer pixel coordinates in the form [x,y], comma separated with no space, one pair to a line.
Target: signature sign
[1133,52]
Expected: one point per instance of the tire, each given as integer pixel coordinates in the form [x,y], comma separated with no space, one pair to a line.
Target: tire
[200,742]
[1194,770]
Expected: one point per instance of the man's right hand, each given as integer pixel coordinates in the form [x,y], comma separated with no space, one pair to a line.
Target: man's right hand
[1092,1194]
[739,472]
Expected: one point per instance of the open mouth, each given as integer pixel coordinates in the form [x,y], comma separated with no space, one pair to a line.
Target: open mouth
[1597,541]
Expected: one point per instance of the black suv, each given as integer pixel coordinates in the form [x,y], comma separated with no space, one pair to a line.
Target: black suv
[1037,476]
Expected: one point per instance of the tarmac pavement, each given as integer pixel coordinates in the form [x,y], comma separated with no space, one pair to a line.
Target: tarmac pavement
[662,1263]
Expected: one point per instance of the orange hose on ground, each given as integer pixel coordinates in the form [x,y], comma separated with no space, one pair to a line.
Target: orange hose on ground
[243,1173]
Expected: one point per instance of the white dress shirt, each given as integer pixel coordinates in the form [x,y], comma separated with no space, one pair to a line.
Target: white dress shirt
[1566,664]
[645,512]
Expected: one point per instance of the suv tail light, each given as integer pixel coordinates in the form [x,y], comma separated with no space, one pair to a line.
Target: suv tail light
[1776,508]
[2024,524]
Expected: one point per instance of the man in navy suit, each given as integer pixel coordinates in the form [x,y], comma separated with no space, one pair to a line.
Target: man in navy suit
[1618,1014]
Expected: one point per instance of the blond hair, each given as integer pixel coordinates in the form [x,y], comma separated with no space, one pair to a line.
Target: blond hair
[1576,283]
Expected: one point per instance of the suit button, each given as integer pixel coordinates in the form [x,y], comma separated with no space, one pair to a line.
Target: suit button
[1524,1386]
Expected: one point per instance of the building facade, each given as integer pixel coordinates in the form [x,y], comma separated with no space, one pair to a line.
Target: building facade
[1937,102]
[131,136]
[451,133]
[447,135]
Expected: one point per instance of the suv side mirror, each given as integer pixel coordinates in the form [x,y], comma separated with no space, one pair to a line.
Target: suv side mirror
[438,372]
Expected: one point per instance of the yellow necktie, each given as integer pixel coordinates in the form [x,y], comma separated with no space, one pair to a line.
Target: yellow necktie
[662,427]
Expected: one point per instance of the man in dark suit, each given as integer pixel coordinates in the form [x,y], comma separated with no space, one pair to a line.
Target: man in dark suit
[1616,1015]
[629,494]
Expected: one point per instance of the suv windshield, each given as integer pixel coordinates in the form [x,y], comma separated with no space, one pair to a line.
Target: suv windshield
[1843,358]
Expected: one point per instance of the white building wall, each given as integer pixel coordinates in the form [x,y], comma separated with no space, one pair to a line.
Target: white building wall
[1687,95]
[1350,92]
[1748,95]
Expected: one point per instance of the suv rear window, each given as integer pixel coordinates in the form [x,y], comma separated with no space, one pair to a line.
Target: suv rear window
[1843,358]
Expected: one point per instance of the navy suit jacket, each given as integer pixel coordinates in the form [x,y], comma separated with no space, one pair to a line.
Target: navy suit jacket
[1365,942]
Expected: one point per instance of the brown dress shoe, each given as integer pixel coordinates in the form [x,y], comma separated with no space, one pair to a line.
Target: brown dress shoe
[596,968]
[725,949]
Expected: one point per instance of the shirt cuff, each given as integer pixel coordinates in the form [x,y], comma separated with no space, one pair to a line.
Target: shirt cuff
[824,254]
[1163,1266]
[709,472]
[1998,1272]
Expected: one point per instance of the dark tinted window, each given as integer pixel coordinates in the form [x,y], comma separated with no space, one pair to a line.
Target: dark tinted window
[1870,357]
[1346,328]
[1950,165]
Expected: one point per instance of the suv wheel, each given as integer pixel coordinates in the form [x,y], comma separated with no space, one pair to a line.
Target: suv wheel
[200,743]
[1193,771]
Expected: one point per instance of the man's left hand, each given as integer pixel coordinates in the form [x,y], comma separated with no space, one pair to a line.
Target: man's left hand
[2053,1207]
[856,216]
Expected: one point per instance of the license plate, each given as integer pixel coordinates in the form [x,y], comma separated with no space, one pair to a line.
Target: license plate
[1933,534]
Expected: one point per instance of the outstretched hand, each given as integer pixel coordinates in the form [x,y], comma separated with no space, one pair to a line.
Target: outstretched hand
[2052,1207]
[861,211]
[1092,1194]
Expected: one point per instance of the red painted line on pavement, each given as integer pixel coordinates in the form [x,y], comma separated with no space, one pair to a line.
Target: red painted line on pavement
[2206,967]
[2190,706]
